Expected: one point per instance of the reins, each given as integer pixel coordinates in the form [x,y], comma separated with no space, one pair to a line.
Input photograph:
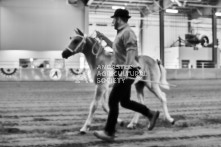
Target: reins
[99,49]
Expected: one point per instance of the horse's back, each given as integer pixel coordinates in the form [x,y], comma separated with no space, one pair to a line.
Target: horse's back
[146,60]
[149,67]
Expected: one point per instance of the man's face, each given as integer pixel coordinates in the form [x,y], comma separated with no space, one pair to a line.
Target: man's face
[115,23]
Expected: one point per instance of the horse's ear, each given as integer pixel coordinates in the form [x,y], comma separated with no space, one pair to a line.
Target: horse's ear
[80,32]
[76,31]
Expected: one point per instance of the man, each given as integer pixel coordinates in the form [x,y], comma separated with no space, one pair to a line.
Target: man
[125,61]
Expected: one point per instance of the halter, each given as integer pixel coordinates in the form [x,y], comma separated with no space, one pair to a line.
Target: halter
[83,41]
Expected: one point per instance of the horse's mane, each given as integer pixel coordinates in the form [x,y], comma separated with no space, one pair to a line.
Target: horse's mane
[94,40]
[95,53]
[96,47]
[102,49]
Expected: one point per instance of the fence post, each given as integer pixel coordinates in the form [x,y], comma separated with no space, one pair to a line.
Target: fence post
[203,70]
[189,67]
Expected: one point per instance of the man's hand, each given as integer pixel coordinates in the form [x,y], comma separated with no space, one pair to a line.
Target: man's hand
[124,74]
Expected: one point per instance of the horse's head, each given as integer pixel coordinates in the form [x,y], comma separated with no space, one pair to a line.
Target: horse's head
[76,45]
[89,46]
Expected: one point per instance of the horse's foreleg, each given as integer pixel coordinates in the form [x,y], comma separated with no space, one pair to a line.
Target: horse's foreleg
[162,96]
[105,101]
[106,108]
[93,106]
[140,97]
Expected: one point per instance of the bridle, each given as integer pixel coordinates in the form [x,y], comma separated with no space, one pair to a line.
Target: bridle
[81,45]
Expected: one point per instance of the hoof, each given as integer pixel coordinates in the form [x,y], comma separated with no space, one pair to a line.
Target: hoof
[83,132]
[131,127]
[121,124]
[173,122]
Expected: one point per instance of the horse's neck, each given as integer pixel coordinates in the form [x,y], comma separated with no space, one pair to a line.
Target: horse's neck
[95,60]
[90,57]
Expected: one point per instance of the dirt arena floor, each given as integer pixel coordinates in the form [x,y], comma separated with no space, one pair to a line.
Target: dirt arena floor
[50,114]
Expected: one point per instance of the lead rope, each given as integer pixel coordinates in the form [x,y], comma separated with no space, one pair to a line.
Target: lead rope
[97,42]
[93,47]
[154,82]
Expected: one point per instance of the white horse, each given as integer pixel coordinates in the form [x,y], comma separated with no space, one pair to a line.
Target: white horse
[97,57]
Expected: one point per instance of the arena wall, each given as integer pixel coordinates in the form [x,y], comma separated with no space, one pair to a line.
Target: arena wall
[203,73]
[37,26]
[77,75]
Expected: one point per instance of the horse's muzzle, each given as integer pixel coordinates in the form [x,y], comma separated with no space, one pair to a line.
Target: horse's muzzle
[65,54]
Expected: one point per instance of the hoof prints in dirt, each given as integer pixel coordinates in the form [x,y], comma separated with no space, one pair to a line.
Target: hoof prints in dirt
[153,139]
[213,120]
[41,119]
[53,119]
[11,131]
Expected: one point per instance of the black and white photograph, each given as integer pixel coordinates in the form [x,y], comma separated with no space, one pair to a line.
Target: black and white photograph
[110,73]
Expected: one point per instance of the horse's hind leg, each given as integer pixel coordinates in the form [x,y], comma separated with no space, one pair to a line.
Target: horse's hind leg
[162,96]
[140,95]
[100,90]
[106,108]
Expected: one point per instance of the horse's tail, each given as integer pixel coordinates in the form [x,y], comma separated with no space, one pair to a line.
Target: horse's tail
[163,80]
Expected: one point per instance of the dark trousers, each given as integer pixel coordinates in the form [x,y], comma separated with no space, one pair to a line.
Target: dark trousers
[121,94]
